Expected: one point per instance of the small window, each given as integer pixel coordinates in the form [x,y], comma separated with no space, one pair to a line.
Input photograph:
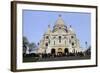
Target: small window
[47,37]
[59,39]
[66,30]
[46,44]
[72,44]
[59,27]
[72,36]
[54,37]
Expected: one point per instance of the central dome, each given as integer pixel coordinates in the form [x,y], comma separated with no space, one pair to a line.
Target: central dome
[60,25]
[59,21]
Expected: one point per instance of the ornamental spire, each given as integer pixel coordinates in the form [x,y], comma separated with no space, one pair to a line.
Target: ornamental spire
[59,15]
[48,30]
[49,26]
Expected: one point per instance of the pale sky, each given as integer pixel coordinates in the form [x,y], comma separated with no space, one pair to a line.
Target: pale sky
[35,24]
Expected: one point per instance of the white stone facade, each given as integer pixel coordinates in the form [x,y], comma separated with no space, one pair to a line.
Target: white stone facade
[62,39]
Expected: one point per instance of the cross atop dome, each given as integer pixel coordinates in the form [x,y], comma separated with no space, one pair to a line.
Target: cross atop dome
[49,26]
[59,15]
[70,26]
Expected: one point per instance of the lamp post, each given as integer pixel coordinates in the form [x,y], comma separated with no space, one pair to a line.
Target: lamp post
[86,44]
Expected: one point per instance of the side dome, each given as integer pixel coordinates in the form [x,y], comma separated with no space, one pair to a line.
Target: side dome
[48,30]
[71,30]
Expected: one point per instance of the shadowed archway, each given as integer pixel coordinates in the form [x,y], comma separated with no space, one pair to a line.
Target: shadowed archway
[53,51]
[66,50]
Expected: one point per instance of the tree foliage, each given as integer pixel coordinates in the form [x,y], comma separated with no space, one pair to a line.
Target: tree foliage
[32,47]
[26,44]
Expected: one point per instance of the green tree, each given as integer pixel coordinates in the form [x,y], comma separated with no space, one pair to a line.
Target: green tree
[32,47]
[25,44]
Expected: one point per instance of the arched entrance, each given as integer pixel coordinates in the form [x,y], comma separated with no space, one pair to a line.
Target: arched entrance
[66,51]
[59,49]
[53,51]
[60,52]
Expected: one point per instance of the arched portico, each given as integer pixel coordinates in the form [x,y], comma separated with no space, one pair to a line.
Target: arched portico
[53,51]
[66,50]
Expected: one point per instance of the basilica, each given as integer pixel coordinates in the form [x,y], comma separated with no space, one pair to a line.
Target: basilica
[60,40]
